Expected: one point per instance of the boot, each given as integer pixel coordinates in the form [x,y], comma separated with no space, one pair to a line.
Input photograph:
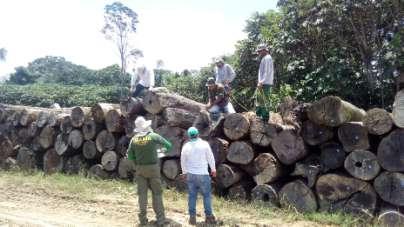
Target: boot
[210,220]
[192,220]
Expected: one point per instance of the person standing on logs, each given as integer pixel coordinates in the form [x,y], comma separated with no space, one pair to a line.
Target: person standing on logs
[218,100]
[143,152]
[224,73]
[143,78]
[265,82]
[196,156]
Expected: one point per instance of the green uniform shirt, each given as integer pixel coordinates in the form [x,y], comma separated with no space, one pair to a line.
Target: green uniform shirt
[143,149]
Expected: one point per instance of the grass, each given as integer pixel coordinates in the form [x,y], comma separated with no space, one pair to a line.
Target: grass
[86,189]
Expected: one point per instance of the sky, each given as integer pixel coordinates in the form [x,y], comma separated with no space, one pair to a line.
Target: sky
[185,34]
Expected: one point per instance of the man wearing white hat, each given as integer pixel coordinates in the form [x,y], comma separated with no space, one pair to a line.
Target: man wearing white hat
[143,152]
[224,73]
[265,82]
[143,78]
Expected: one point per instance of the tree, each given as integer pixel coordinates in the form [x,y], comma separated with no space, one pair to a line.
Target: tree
[21,77]
[3,54]
[120,25]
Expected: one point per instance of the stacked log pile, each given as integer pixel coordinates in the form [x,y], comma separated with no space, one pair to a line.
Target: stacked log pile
[329,155]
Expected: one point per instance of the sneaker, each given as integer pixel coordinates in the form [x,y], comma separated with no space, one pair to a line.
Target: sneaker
[192,220]
[210,220]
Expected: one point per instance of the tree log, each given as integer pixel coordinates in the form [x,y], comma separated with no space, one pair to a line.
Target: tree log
[24,136]
[347,194]
[33,129]
[390,151]
[240,152]
[378,121]
[122,146]
[114,121]
[268,168]
[203,123]
[227,175]
[289,147]
[65,123]
[42,119]
[175,135]
[129,126]
[98,172]
[362,165]
[75,164]
[75,139]
[220,148]
[241,191]
[6,149]
[236,126]
[314,134]
[62,145]
[109,160]
[299,196]
[46,138]
[78,115]
[28,115]
[333,111]
[391,218]
[52,162]
[171,168]
[100,110]
[309,168]
[90,128]
[26,159]
[398,109]
[390,187]
[179,117]
[332,156]
[90,150]
[105,141]
[180,184]
[156,100]
[131,107]
[265,194]
[262,133]
[353,136]
[126,169]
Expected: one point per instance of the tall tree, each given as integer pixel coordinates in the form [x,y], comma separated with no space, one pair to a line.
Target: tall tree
[3,53]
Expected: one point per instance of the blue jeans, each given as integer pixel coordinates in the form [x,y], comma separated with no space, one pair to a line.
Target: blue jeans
[215,111]
[199,183]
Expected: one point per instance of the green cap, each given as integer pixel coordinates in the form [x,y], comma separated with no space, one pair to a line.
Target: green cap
[192,132]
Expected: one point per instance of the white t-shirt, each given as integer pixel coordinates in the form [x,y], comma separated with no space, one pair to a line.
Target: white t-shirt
[266,71]
[145,75]
[196,156]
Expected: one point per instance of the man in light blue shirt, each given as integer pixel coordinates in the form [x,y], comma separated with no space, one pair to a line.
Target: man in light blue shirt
[224,73]
[265,82]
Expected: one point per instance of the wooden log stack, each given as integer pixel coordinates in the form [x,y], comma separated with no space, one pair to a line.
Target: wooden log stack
[329,155]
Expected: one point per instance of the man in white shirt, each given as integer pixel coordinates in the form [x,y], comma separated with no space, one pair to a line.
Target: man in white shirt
[224,73]
[265,82]
[196,156]
[143,78]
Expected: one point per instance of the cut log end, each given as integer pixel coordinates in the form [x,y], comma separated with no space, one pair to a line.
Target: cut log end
[236,126]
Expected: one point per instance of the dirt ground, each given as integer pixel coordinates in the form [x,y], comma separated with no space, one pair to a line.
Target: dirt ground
[35,207]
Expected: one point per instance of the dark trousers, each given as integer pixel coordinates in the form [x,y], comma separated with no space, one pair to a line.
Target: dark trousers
[139,90]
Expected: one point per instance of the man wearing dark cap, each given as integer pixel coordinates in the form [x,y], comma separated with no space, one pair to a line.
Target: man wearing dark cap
[218,99]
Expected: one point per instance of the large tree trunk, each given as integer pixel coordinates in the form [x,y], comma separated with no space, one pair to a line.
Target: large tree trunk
[268,168]
[203,124]
[114,121]
[62,145]
[299,196]
[171,168]
[109,160]
[131,107]
[241,191]
[156,100]
[105,141]
[126,169]
[378,121]
[28,115]
[26,159]
[78,115]
[390,187]
[75,139]
[289,147]
[362,165]
[227,175]
[6,149]
[98,172]
[179,117]
[332,156]
[75,165]
[33,130]
[65,123]
[90,150]
[333,111]
[314,134]
[52,162]
[46,138]
[353,136]
[175,135]
[347,194]
[240,152]
[391,218]
[220,148]
[100,110]
[309,168]
[262,133]
[266,194]
[90,128]
[236,126]
[398,109]
[390,152]
[122,146]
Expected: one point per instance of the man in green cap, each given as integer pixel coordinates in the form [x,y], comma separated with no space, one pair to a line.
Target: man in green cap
[143,152]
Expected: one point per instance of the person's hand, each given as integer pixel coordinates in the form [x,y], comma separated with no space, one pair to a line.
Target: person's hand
[213,174]
[259,85]
[208,105]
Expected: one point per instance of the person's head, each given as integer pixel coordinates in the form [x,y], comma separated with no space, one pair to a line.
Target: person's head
[142,126]
[210,83]
[193,133]
[219,62]
[262,50]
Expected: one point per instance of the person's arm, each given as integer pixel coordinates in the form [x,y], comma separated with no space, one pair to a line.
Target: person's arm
[131,151]
[231,73]
[184,160]
[167,145]
[133,80]
[211,159]
[151,78]
[216,71]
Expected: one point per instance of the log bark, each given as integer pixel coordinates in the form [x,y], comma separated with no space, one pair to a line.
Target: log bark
[314,134]
[265,194]
[52,162]
[46,138]
[268,168]
[132,107]
[26,159]
[75,139]
[109,160]
[298,195]
[378,121]
[78,115]
[156,100]
[90,128]
[24,136]
[398,109]
[65,123]
[332,156]
[171,168]
[100,110]
[129,126]
[179,117]
[262,133]
[203,123]
[220,148]
[241,191]
[62,144]
[362,165]
[353,136]
[105,141]
[33,129]
[390,187]
[240,152]
[126,169]
[333,111]
[75,165]
[114,121]
[175,135]
[289,147]
[236,126]
[391,218]
[90,150]
[42,119]
[227,175]
[390,151]
[309,168]
[6,149]
[28,115]
[351,195]
[122,146]
[98,172]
